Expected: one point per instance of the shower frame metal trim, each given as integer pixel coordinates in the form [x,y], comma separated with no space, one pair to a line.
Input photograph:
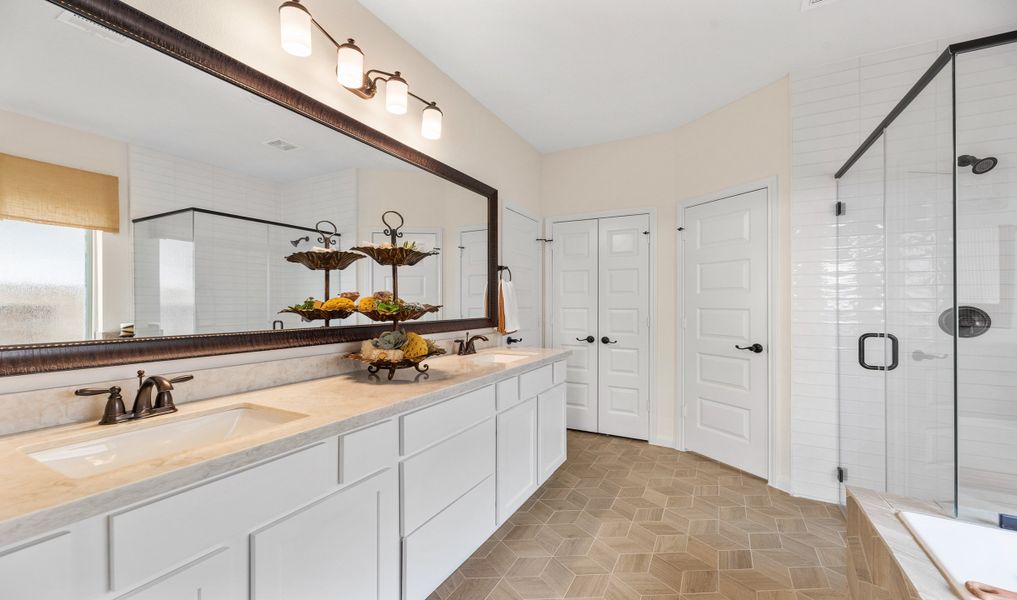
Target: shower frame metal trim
[941,62]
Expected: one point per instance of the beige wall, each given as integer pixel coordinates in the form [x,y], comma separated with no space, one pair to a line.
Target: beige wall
[473,140]
[746,141]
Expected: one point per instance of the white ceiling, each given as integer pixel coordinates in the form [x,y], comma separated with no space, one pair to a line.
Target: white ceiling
[568,73]
[122,90]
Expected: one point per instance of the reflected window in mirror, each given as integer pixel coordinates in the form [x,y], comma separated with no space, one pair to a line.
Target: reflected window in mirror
[46,290]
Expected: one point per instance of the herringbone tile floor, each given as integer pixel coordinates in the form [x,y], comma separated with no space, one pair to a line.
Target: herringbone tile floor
[623,520]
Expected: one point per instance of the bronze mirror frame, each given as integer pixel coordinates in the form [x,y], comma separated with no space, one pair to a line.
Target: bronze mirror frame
[24,359]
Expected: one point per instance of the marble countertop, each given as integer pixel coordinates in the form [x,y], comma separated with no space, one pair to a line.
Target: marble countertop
[35,499]
[881,510]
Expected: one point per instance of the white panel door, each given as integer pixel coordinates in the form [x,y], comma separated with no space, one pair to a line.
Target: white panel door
[520,251]
[343,546]
[419,283]
[472,273]
[575,292]
[725,287]
[624,309]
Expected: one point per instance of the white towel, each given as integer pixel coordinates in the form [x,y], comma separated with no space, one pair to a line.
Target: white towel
[508,309]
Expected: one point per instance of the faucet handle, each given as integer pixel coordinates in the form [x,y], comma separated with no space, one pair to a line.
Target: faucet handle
[114,412]
[181,379]
[96,391]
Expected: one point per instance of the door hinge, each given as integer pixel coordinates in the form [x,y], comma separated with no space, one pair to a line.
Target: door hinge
[839,209]
[841,474]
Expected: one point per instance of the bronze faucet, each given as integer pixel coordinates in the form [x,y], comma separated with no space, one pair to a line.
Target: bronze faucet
[115,411]
[468,347]
[143,406]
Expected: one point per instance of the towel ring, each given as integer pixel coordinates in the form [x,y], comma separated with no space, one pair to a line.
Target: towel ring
[504,268]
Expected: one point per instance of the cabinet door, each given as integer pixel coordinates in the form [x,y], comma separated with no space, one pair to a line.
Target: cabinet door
[208,578]
[42,570]
[517,457]
[551,427]
[344,546]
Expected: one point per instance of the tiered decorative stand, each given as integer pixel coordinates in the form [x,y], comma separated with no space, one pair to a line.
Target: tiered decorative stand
[332,260]
[396,257]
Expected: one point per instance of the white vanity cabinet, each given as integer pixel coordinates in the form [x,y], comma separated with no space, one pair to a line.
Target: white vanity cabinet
[345,545]
[384,512]
[40,569]
[210,576]
[517,456]
[531,434]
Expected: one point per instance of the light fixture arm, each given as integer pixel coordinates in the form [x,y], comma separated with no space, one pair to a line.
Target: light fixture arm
[371,84]
[296,40]
[325,33]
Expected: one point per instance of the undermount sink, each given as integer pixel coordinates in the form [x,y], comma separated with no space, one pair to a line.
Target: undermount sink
[498,358]
[148,440]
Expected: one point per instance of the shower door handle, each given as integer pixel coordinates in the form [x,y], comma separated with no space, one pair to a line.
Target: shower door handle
[894,349]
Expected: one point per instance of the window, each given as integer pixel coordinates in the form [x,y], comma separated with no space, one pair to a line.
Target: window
[45,283]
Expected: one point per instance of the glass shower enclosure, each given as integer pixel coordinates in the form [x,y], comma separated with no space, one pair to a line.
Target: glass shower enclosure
[200,271]
[927,290]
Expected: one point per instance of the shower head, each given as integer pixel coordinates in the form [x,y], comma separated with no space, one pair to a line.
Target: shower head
[297,241]
[979,166]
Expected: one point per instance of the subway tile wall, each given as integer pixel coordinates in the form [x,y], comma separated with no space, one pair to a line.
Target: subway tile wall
[895,272]
[239,280]
[833,109]
[987,278]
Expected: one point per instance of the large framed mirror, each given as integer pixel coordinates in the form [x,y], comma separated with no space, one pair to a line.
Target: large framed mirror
[152,189]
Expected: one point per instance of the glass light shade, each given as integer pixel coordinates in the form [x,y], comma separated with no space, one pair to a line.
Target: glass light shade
[430,123]
[295,29]
[396,95]
[350,71]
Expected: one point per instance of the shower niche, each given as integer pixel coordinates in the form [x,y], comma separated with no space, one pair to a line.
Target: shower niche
[926,286]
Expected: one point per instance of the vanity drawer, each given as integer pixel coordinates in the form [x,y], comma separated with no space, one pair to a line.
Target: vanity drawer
[535,382]
[433,479]
[508,393]
[436,550]
[148,539]
[435,423]
[367,451]
[559,371]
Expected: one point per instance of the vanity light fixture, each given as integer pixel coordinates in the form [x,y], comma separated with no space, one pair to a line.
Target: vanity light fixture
[295,23]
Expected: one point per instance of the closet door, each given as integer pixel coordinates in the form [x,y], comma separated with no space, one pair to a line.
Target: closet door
[575,314]
[624,316]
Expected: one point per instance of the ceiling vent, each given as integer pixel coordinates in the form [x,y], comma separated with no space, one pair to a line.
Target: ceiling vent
[82,24]
[810,4]
[280,144]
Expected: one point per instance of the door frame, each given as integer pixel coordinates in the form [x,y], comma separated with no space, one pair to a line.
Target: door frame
[549,222]
[542,289]
[773,338]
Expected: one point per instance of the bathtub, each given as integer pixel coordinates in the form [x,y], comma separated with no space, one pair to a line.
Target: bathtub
[966,551]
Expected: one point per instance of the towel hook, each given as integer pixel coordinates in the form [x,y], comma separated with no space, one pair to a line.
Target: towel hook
[504,268]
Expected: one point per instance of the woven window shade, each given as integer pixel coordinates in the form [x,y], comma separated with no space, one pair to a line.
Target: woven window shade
[41,192]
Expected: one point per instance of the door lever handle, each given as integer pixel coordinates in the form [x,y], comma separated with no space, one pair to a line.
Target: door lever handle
[588,339]
[607,340]
[757,348]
